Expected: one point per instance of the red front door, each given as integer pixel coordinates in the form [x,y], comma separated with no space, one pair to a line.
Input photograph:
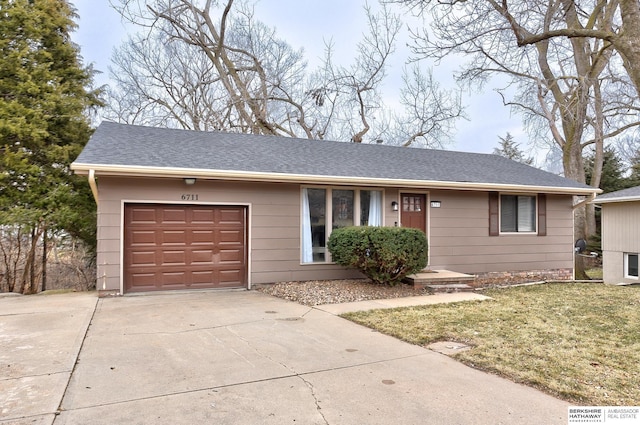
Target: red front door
[414,211]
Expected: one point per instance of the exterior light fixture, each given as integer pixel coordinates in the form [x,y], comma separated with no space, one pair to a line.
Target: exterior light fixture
[189,181]
[394,206]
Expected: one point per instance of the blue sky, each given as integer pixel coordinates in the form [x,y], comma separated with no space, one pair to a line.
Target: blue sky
[308,24]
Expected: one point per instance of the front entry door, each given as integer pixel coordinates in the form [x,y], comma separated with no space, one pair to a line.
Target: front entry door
[414,211]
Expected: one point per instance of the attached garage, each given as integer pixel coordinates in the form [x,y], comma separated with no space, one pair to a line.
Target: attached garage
[168,247]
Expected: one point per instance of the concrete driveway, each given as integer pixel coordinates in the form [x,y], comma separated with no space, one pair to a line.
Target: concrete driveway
[227,357]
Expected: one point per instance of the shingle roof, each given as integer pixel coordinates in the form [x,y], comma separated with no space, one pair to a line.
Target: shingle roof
[631,194]
[129,146]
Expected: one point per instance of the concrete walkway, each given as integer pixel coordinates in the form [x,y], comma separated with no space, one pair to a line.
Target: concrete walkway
[401,302]
[227,357]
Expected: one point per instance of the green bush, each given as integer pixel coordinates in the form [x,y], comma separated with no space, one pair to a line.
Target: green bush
[384,254]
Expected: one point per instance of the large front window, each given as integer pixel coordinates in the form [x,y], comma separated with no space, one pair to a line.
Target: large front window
[325,209]
[517,213]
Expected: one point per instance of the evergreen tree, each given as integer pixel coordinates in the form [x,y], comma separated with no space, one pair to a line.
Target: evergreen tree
[44,96]
[634,177]
[612,171]
[510,149]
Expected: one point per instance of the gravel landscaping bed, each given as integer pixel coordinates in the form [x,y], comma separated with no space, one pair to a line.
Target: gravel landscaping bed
[319,292]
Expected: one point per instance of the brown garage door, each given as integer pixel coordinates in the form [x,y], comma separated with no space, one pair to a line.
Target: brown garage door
[184,247]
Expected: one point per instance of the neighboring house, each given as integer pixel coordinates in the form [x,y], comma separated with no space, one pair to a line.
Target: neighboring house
[620,235]
[182,209]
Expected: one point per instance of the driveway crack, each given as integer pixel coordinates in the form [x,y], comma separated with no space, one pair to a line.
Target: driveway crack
[315,397]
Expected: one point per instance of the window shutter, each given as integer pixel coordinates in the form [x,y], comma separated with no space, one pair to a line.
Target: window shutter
[542,214]
[494,214]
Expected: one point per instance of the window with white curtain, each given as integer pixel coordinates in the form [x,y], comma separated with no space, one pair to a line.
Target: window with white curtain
[325,209]
[517,213]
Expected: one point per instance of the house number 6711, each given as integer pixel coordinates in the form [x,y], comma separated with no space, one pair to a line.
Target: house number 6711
[189,197]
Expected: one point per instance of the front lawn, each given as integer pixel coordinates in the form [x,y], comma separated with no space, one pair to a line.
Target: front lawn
[577,341]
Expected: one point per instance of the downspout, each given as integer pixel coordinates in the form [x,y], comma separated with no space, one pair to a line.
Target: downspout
[94,190]
[93,185]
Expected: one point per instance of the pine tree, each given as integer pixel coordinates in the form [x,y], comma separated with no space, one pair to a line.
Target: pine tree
[44,97]
[612,171]
[510,149]
[634,177]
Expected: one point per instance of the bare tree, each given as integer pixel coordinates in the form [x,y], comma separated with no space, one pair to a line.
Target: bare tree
[622,36]
[207,65]
[564,87]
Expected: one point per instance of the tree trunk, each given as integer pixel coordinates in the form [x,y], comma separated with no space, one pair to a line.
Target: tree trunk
[598,158]
[579,232]
[44,261]
[628,43]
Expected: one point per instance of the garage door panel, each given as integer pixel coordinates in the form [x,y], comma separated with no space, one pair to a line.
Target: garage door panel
[203,277]
[174,215]
[231,216]
[143,215]
[144,238]
[229,278]
[144,258]
[202,237]
[173,258]
[143,280]
[203,216]
[231,236]
[228,256]
[172,278]
[174,237]
[184,247]
[202,257]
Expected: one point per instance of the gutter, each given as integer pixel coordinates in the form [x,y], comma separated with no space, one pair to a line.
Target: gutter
[145,171]
[93,185]
[620,199]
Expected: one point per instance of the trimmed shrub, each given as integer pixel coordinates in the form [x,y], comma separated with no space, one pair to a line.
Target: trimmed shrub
[384,254]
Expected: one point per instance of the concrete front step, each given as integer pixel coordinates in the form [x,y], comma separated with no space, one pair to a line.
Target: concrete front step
[452,287]
[442,281]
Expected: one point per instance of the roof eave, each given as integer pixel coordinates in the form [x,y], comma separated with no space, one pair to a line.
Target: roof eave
[614,200]
[143,171]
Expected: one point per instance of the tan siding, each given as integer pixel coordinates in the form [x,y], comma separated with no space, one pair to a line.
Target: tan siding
[274,220]
[458,231]
[269,244]
[620,227]
[390,217]
[459,237]
[620,221]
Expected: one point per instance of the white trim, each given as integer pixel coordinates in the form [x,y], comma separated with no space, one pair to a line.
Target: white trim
[146,171]
[626,265]
[620,199]
[248,215]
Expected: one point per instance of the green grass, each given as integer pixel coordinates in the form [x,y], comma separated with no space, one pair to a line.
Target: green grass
[577,341]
